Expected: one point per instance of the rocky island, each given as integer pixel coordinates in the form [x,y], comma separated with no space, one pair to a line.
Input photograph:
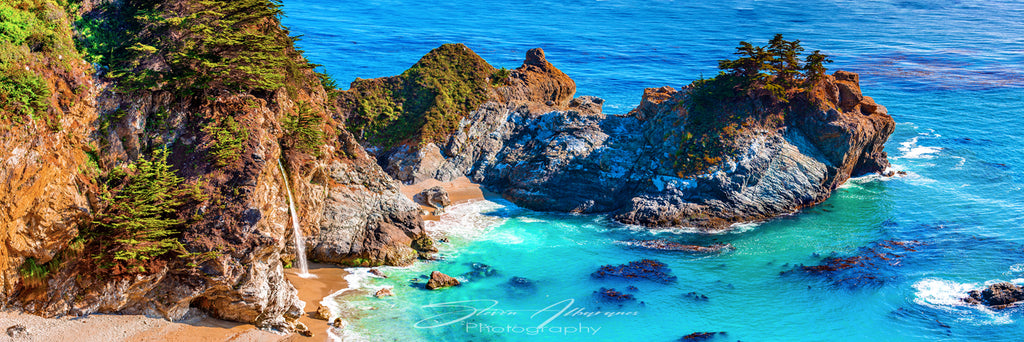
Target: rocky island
[145,175]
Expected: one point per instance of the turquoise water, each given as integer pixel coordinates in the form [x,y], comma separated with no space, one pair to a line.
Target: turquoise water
[950,72]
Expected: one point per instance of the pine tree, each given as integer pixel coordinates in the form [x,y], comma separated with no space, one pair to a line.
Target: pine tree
[814,68]
[139,220]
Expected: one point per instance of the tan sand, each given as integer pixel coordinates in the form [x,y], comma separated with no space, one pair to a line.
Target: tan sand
[138,328]
[459,191]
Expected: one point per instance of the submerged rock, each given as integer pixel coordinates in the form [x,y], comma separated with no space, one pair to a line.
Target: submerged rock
[665,245]
[440,280]
[872,265]
[645,269]
[701,336]
[522,283]
[999,296]
[610,295]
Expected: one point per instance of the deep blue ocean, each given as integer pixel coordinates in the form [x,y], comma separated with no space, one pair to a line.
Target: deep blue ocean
[950,72]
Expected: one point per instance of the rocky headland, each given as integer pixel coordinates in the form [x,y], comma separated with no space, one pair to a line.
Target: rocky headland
[690,157]
[150,173]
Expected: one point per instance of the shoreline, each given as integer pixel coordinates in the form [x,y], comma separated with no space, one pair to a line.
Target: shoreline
[329,282]
[460,190]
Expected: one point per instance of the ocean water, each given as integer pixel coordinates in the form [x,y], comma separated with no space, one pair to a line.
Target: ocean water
[950,72]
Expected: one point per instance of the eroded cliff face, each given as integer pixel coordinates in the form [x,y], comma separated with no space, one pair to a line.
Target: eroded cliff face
[239,236]
[547,151]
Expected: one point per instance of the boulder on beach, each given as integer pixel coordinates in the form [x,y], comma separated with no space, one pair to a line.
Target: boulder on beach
[999,296]
[440,280]
[435,197]
[322,312]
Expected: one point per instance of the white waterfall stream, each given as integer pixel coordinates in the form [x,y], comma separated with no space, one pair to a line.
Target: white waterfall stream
[300,243]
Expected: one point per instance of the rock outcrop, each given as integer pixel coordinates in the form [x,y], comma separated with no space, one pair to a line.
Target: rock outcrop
[545,152]
[999,296]
[440,280]
[436,197]
[236,239]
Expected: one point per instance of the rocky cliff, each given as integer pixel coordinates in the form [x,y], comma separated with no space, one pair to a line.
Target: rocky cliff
[743,157]
[226,137]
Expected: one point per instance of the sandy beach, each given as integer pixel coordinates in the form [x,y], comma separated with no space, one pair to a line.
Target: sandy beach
[138,328]
[460,190]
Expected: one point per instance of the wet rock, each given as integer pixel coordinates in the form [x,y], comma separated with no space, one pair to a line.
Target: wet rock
[322,312]
[384,292]
[338,323]
[17,331]
[435,197]
[302,329]
[440,280]
[377,273]
[999,296]
[645,269]
[665,245]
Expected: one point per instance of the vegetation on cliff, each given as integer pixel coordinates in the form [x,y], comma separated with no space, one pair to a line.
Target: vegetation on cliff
[720,109]
[33,46]
[423,104]
[140,215]
[191,46]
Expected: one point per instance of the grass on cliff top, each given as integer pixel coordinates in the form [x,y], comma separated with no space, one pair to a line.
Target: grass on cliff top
[425,103]
[35,35]
[752,90]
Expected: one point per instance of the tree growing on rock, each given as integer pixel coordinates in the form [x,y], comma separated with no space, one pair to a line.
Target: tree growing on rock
[139,218]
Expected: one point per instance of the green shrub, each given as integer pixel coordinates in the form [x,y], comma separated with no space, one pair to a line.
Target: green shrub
[140,215]
[33,274]
[304,129]
[23,93]
[500,77]
[227,140]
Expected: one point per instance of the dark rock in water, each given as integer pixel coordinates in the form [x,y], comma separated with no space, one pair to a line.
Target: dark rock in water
[435,197]
[871,266]
[610,295]
[521,283]
[999,296]
[701,336]
[377,273]
[480,271]
[17,331]
[440,280]
[696,296]
[631,288]
[645,269]
[665,245]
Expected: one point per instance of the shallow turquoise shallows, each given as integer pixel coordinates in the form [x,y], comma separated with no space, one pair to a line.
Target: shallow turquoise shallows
[950,72]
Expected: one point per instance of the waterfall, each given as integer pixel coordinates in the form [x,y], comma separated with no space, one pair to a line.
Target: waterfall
[300,243]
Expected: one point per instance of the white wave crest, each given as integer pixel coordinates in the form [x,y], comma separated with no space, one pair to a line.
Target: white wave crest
[466,221]
[911,150]
[947,295]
